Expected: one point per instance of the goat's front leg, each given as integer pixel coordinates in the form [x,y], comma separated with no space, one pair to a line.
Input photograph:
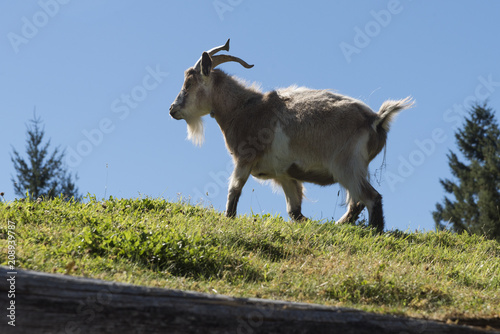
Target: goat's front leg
[238,179]
[293,192]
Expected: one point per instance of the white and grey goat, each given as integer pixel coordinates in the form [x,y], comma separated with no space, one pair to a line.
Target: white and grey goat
[290,135]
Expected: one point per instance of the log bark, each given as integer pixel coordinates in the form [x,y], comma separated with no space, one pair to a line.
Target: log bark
[51,303]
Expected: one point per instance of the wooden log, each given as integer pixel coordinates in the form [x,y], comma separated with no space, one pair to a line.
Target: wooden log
[51,303]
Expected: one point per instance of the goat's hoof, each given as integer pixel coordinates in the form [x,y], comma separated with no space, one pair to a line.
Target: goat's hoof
[343,222]
[299,218]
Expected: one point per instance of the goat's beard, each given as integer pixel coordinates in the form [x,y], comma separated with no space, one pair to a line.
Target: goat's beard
[195,130]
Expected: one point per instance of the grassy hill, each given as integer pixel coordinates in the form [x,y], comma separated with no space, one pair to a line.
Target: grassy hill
[176,245]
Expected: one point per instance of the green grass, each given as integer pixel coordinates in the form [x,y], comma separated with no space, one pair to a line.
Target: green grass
[154,242]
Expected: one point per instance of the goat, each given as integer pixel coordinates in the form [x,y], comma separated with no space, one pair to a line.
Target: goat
[291,135]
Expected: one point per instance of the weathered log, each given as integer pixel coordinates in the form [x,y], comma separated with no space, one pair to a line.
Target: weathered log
[51,303]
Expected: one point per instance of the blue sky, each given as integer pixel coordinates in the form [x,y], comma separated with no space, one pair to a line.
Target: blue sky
[102,75]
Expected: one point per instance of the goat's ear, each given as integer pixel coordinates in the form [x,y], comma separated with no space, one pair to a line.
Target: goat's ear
[206,64]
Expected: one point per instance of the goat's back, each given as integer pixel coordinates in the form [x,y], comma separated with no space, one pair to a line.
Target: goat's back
[323,123]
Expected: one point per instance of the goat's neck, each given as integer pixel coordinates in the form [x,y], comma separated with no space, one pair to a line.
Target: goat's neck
[229,98]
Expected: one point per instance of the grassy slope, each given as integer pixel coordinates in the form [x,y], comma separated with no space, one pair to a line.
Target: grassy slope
[176,245]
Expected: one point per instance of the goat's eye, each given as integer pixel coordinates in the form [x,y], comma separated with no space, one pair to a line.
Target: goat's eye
[187,85]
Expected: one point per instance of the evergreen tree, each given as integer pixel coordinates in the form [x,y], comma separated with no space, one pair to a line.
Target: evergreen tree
[42,174]
[476,207]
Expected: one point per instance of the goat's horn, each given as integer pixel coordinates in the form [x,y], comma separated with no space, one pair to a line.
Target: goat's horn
[217,60]
[211,52]
[224,47]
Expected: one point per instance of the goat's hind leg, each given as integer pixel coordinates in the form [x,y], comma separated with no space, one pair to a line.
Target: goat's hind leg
[353,211]
[373,201]
[361,193]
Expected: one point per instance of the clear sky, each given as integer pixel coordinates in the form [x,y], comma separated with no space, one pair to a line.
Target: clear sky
[102,75]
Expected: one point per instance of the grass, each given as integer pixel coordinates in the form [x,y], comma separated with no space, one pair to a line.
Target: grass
[154,242]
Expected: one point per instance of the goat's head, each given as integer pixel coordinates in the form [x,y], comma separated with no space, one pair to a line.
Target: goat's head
[195,98]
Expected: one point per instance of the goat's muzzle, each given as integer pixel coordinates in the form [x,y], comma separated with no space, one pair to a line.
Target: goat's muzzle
[174,112]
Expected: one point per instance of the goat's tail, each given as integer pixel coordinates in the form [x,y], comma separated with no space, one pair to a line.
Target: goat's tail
[389,110]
